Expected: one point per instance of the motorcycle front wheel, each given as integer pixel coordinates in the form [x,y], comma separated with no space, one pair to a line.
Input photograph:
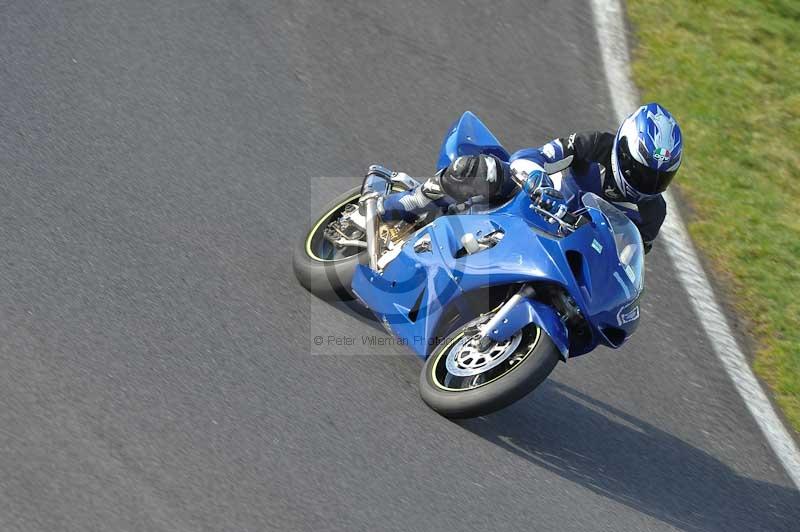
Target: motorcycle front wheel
[461,381]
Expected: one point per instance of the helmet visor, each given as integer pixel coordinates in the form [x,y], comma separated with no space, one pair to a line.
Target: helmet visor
[644,179]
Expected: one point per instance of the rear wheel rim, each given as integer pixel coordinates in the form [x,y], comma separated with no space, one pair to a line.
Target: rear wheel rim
[320,249]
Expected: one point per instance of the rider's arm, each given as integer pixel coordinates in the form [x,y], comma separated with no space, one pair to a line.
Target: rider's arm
[652,213]
[583,148]
[560,153]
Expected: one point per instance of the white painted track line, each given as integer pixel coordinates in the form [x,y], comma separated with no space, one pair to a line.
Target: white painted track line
[609,21]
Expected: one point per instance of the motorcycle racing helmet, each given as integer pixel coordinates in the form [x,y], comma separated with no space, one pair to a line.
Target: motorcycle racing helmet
[647,152]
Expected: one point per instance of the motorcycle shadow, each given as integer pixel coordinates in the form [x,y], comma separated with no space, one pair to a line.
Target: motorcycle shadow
[634,463]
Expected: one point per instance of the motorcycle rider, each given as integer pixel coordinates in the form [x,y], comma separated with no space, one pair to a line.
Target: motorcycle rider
[630,169]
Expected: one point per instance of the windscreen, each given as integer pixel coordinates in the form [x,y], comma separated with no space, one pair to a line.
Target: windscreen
[627,239]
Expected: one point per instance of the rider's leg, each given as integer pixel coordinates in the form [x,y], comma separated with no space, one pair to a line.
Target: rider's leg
[413,204]
[466,177]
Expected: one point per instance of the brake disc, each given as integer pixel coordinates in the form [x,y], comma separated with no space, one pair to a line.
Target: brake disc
[465,359]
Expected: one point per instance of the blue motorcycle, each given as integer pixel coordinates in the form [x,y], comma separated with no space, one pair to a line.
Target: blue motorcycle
[490,296]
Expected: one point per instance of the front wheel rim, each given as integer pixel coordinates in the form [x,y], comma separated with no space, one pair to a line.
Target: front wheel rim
[499,367]
[465,359]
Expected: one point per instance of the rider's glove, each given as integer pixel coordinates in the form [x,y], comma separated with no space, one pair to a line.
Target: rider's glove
[546,197]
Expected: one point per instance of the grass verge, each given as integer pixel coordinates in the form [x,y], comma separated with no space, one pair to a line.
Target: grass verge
[729,70]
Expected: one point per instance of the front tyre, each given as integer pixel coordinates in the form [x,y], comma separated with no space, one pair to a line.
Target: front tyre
[460,381]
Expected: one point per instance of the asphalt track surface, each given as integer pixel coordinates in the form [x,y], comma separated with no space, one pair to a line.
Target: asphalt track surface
[156,162]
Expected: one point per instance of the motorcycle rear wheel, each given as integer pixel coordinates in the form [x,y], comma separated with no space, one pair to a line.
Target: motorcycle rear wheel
[476,390]
[322,270]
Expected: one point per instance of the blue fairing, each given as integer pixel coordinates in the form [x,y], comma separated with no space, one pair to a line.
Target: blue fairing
[415,288]
[420,286]
[468,136]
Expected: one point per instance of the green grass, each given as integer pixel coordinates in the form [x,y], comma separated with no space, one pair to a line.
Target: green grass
[729,70]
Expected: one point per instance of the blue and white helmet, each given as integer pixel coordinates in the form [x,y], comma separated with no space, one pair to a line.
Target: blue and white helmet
[647,152]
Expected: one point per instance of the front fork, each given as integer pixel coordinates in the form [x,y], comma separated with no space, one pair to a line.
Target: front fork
[492,327]
[521,310]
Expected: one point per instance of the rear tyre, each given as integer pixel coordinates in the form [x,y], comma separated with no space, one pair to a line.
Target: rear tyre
[321,269]
[459,383]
